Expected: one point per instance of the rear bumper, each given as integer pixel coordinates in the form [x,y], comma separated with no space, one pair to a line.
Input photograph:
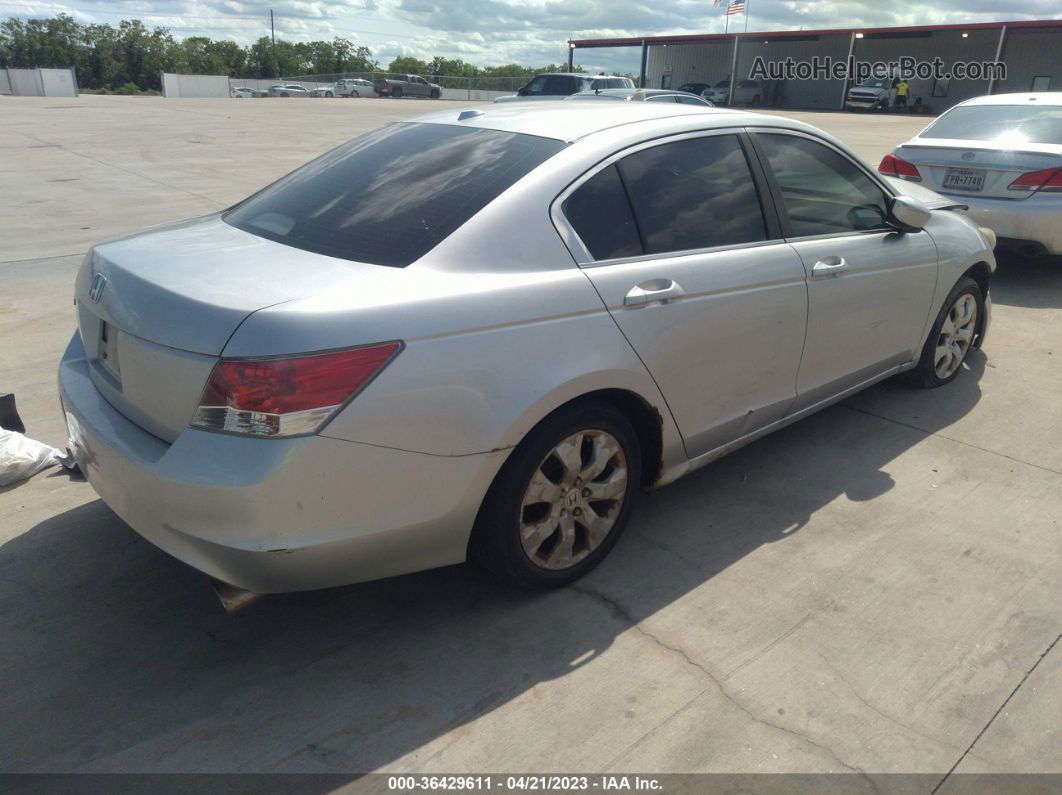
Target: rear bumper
[274,515]
[1034,220]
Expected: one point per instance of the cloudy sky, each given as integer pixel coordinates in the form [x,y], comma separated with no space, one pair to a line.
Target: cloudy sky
[531,32]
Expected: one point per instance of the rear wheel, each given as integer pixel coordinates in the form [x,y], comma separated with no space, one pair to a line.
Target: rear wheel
[756,101]
[953,334]
[397,93]
[561,501]
[354,95]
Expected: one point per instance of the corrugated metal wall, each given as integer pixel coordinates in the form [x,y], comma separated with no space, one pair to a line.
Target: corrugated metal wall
[1028,54]
[825,94]
[689,63]
[950,46]
[1031,53]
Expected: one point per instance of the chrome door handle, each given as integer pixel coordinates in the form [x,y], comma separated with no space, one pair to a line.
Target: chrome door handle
[656,290]
[828,266]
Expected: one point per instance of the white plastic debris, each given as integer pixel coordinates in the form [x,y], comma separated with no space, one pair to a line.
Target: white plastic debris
[22,457]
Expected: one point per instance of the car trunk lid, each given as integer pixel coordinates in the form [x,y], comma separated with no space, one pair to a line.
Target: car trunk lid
[155,310]
[970,168]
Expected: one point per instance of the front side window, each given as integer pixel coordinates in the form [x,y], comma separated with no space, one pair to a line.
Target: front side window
[392,195]
[823,192]
[693,194]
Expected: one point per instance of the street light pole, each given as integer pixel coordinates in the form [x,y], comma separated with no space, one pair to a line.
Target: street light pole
[273,33]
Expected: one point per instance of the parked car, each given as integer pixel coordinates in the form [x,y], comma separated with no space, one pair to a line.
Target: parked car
[877,93]
[1000,155]
[747,92]
[239,92]
[562,84]
[695,88]
[584,301]
[328,90]
[398,86]
[288,90]
[354,87]
[643,95]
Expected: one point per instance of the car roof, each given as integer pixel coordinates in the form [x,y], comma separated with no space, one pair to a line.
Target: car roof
[1039,97]
[570,121]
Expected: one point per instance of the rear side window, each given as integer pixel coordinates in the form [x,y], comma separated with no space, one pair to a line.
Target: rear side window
[389,197]
[691,194]
[601,216]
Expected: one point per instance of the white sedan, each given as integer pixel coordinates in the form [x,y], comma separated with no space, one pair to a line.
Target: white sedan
[1002,155]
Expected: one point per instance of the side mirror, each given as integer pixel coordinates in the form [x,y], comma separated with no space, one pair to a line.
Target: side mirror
[521,92]
[908,214]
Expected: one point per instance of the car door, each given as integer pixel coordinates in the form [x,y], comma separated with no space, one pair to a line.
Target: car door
[870,286]
[694,272]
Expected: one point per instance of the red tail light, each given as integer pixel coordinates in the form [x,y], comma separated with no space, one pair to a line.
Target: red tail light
[286,396]
[1049,179]
[893,166]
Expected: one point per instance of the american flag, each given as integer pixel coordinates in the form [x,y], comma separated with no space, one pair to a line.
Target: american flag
[735,7]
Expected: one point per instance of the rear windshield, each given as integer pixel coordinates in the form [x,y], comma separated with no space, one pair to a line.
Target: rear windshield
[389,197]
[1010,124]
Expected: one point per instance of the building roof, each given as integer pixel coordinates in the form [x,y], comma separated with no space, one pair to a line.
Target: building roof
[693,38]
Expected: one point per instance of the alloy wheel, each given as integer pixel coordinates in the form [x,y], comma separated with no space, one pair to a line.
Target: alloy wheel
[573,499]
[956,336]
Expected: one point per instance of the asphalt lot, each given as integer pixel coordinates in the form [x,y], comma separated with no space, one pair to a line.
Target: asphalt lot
[874,589]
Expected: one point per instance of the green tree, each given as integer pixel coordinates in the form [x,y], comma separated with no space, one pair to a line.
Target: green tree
[407,63]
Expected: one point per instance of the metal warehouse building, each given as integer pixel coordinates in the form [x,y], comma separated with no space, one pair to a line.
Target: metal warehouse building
[1031,50]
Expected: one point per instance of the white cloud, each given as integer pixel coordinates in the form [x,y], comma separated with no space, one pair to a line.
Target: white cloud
[531,32]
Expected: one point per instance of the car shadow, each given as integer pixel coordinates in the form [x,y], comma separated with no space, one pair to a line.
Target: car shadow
[118,657]
[1033,282]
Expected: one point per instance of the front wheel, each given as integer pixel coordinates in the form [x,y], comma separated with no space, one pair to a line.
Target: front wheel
[953,334]
[434,94]
[561,501]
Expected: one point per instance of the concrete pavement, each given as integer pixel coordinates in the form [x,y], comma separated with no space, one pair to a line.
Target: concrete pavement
[873,589]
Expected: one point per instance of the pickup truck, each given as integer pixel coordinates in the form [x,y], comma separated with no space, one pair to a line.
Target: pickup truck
[406,86]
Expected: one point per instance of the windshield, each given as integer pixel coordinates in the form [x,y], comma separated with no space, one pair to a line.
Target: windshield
[1004,124]
[389,197]
[878,82]
[723,84]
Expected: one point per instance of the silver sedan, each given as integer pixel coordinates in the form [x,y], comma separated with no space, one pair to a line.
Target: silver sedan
[481,333]
[1002,156]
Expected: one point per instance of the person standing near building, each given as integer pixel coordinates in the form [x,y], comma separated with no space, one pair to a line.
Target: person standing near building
[901,94]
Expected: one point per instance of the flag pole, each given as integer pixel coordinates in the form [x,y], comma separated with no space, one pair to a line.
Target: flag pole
[726,13]
[747,15]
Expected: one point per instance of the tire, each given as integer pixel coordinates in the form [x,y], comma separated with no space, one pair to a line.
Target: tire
[435,94]
[928,375]
[329,94]
[354,95]
[497,541]
[756,101]
[396,93]
[285,94]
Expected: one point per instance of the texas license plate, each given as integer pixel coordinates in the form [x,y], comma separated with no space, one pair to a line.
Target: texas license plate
[964,179]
